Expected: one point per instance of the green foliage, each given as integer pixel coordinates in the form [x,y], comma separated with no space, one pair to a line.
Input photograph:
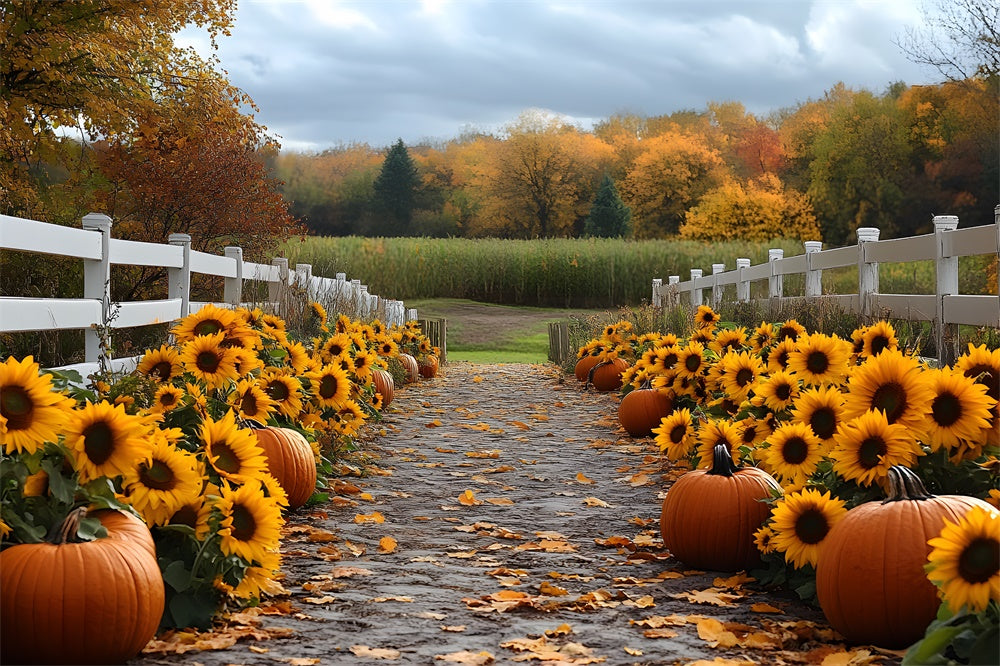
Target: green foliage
[609,216]
[394,191]
[958,638]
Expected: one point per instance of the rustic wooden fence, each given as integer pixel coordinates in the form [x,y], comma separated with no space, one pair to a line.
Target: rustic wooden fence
[96,314]
[946,308]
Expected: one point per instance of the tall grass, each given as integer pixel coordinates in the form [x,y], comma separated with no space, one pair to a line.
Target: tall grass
[572,273]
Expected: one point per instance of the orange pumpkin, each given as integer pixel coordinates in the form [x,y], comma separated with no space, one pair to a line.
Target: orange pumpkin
[428,366]
[290,460]
[412,369]
[382,380]
[709,516]
[642,409]
[607,375]
[92,602]
[870,576]
[583,366]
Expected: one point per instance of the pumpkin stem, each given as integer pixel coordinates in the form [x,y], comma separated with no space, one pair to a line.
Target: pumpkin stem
[66,532]
[590,375]
[722,462]
[904,484]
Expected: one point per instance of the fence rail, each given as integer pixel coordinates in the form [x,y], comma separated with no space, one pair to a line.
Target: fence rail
[94,312]
[946,308]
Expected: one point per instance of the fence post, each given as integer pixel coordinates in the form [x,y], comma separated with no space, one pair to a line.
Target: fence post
[411,315]
[814,278]
[775,283]
[673,297]
[274,289]
[716,290]
[303,278]
[696,295]
[946,269]
[363,302]
[742,286]
[179,279]
[657,300]
[996,221]
[867,272]
[233,290]
[97,285]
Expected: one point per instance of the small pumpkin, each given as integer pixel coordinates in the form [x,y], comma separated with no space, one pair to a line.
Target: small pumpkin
[870,577]
[710,515]
[290,461]
[607,375]
[642,409]
[583,366]
[412,369]
[428,366]
[89,602]
[386,387]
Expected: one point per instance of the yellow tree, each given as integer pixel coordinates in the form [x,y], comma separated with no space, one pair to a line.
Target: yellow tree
[669,177]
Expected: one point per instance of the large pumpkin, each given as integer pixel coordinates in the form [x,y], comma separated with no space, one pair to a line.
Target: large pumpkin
[412,369]
[384,384]
[583,366]
[642,409]
[607,375]
[290,460]
[92,602]
[870,576]
[428,366]
[709,516]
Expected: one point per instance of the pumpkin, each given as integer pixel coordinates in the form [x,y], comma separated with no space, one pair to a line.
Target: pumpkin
[90,602]
[607,375]
[642,409]
[428,366]
[709,516]
[290,460]
[583,366]
[412,369]
[870,576]
[382,380]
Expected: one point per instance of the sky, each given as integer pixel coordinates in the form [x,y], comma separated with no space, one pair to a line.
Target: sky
[326,73]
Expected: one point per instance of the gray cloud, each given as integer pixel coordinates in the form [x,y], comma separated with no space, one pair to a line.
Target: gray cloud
[325,72]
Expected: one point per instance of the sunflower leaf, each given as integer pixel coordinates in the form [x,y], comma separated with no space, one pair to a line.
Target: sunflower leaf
[177,576]
[62,489]
[90,529]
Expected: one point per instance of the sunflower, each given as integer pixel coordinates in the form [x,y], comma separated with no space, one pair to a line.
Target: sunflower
[387,347]
[376,401]
[105,440]
[233,452]
[778,391]
[717,431]
[194,514]
[984,366]
[691,360]
[820,359]
[207,360]
[762,337]
[703,335]
[251,402]
[273,489]
[674,434]
[729,340]
[741,371]
[753,431]
[31,411]
[161,364]
[867,446]
[209,320]
[335,347]
[163,481]
[260,580]
[822,409]
[251,523]
[665,358]
[959,414]
[877,338]
[706,317]
[330,385]
[318,312]
[166,398]
[777,357]
[789,330]
[965,560]
[348,419]
[800,521]
[891,383]
[245,361]
[793,453]
[297,357]
[763,538]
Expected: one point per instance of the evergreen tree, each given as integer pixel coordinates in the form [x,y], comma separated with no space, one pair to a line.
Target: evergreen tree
[609,216]
[395,190]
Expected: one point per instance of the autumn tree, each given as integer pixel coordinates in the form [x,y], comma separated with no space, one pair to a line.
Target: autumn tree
[959,38]
[394,191]
[609,216]
[761,209]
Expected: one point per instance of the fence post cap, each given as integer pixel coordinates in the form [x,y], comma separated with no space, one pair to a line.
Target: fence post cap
[775,253]
[718,268]
[695,272]
[945,222]
[96,221]
[179,238]
[341,276]
[866,234]
[813,246]
[674,279]
[742,262]
[233,251]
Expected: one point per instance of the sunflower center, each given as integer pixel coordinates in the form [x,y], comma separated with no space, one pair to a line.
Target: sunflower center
[158,476]
[787,332]
[186,515]
[248,403]
[16,406]
[783,392]
[870,451]
[669,361]
[336,350]
[749,434]
[879,343]
[168,399]
[978,561]
[744,376]
[98,442]
[208,327]
[823,422]
[891,399]
[677,434]
[946,409]
[244,525]
[207,361]
[817,362]
[278,390]
[162,370]
[795,450]
[226,460]
[811,526]
[328,387]
[782,358]
[692,363]
[991,378]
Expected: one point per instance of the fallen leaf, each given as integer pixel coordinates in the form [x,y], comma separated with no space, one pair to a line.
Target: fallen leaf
[635,652]
[660,633]
[521,425]
[548,588]
[477,379]
[712,596]
[852,658]
[347,572]
[344,488]
[581,478]
[436,423]
[456,628]
[431,616]
[405,600]
[482,658]
[387,544]
[562,630]
[468,498]
[322,536]
[258,649]
[493,453]
[765,608]
[374,653]
[500,501]
[373,517]
[441,449]
[300,661]
[733,582]
[715,634]
[319,600]
[593,501]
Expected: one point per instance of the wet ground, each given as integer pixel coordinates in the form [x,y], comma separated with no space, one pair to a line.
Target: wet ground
[503,517]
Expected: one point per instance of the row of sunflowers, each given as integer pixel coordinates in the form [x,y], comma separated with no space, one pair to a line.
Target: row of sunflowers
[179,443]
[835,425]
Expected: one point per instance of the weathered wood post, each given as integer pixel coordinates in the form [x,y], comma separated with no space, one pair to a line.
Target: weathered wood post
[657,299]
[775,283]
[673,298]
[696,295]
[742,285]
[276,289]
[233,290]
[411,314]
[867,273]
[717,269]
[303,278]
[97,285]
[946,268]
[814,277]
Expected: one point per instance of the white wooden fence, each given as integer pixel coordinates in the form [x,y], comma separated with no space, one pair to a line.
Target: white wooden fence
[93,311]
[946,308]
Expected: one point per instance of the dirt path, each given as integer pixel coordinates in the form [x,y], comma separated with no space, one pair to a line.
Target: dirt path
[554,552]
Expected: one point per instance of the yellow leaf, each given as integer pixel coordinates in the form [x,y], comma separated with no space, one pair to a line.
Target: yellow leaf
[562,630]
[375,653]
[500,501]
[765,608]
[436,423]
[548,588]
[405,600]
[441,449]
[645,602]
[347,572]
[593,501]
[714,633]
[468,498]
[660,633]
[581,478]
[319,600]
[366,496]
[494,453]
[635,652]
[258,649]
[387,544]
[482,658]
[456,628]
[374,517]
[521,425]
[477,379]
